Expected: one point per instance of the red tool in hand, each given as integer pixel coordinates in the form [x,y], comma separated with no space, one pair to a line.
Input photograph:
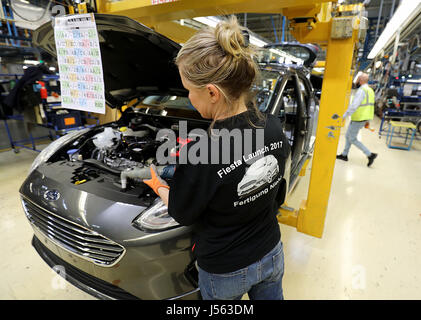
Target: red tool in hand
[181,143]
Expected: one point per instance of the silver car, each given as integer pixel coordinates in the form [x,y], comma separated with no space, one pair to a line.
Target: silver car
[258,175]
[84,197]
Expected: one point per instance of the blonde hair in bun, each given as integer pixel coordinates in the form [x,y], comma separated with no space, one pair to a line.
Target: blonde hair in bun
[229,34]
[221,56]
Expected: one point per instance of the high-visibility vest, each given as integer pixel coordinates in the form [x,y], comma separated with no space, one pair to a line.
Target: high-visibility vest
[366,109]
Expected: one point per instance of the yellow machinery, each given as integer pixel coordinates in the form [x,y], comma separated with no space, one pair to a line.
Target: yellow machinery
[336,28]
[339,34]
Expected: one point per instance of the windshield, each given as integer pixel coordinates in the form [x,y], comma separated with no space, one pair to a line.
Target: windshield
[262,89]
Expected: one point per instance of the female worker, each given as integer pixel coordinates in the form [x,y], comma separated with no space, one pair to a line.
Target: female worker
[232,206]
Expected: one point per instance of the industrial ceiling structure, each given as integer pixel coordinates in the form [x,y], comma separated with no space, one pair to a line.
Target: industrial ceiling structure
[270,27]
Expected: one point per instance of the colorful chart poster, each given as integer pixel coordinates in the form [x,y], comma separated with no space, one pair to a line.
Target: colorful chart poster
[79,62]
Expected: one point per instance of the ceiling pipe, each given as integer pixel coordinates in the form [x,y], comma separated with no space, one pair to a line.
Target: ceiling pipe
[283,28]
[392,10]
[274,29]
[378,19]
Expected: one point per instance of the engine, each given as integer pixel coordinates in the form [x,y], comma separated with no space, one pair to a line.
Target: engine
[125,151]
[123,148]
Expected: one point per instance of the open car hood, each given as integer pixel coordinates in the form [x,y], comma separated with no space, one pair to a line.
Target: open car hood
[136,60]
[305,53]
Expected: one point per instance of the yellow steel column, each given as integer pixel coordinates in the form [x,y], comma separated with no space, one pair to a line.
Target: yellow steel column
[340,40]
[334,101]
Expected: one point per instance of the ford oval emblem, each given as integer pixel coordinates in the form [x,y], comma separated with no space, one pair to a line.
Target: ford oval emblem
[51,195]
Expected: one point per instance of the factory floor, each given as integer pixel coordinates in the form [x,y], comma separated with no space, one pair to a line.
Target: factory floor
[370,249]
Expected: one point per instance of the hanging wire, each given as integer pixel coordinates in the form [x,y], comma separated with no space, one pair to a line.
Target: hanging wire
[283,28]
[274,28]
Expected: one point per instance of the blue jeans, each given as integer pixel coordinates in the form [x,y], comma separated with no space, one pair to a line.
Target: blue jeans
[262,280]
[351,138]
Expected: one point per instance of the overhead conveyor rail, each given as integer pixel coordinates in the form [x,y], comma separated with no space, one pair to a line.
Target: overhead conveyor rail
[161,16]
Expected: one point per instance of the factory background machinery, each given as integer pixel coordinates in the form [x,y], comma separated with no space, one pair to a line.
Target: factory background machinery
[378,37]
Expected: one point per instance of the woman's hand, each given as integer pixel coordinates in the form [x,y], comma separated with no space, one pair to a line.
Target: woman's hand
[156,181]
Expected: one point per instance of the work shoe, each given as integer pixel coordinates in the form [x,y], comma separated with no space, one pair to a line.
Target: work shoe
[342,157]
[371,158]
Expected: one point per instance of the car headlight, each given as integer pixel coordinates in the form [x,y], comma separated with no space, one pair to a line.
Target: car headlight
[54,146]
[155,218]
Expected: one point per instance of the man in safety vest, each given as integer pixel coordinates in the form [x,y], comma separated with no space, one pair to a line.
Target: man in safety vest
[361,110]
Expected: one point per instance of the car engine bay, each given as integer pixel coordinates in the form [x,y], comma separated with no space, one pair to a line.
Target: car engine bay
[125,149]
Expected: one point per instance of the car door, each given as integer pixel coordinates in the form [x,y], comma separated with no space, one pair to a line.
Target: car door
[311,107]
[292,111]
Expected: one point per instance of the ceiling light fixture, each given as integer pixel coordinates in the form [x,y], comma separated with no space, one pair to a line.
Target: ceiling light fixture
[34,62]
[403,15]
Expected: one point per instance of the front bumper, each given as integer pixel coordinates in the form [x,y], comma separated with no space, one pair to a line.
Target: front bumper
[83,228]
[84,281]
[90,284]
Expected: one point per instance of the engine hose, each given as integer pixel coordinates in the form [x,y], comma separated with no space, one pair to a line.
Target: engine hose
[155,129]
[164,172]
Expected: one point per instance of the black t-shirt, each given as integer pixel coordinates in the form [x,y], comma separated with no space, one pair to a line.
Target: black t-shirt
[233,205]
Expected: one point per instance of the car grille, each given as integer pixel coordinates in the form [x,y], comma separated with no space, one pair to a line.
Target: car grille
[83,242]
